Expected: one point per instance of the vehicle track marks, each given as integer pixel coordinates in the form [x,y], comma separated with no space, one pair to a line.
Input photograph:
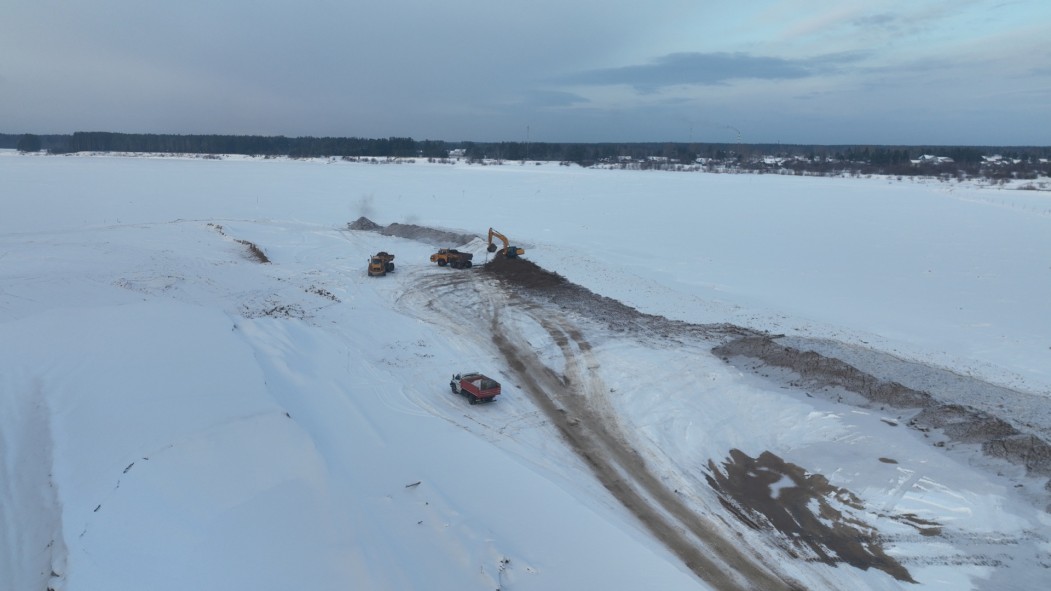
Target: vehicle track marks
[575,402]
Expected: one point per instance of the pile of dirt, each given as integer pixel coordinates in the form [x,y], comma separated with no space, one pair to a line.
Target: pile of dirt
[817,521]
[964,424]
[818,371]
[413,232]
[524,273]
[363,223]
[1022,448]
[529,280]
[959,423]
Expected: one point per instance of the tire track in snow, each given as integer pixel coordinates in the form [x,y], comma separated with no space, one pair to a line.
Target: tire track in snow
[574,404]
[32,544]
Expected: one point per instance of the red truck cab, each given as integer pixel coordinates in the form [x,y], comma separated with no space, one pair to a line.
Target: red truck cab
[475,387]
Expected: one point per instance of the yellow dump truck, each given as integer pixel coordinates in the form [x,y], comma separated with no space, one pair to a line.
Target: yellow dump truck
[380,264]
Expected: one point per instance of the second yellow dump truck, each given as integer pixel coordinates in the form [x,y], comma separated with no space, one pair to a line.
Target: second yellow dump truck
[380,264]
[453,258]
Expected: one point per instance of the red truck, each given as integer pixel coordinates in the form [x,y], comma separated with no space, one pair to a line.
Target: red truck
[475,387]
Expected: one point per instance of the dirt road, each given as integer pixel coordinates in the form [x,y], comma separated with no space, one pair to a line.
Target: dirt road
[573,403]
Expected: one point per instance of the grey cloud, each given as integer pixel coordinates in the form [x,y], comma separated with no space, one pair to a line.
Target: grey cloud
[706,69]
[553,98]
[886,21]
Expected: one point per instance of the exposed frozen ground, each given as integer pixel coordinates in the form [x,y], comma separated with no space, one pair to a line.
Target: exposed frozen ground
[1006,423]
[819,522]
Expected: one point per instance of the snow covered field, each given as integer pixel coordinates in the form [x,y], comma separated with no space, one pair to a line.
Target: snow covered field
[176,414]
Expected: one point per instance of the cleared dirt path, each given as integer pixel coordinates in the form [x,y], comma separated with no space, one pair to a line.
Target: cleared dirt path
[598,440]
[573,404]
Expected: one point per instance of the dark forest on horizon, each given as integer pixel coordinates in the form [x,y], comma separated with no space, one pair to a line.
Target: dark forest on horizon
[1015,161]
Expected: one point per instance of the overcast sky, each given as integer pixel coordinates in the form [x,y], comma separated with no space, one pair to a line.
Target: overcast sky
[949,72]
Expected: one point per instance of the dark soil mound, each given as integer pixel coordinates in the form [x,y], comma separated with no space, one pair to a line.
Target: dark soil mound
[523,273]
[413,232]
[529,280]
[363,223]
[428,235]
[958,422]
[818,371]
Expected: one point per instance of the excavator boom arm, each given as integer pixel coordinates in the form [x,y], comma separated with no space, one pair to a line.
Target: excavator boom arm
[494,234]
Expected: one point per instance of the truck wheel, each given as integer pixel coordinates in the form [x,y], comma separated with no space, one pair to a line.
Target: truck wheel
[453,388]
[473,399]
[442,262]
[467,265]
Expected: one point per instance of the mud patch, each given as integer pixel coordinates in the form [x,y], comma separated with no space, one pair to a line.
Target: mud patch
[273,310]
[817,521]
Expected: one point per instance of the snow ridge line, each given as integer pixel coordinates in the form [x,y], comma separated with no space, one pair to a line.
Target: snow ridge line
[32,547]
[961,423]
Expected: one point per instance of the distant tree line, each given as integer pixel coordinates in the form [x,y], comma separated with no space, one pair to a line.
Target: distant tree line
[28,142]
[1016,162]
[250,145]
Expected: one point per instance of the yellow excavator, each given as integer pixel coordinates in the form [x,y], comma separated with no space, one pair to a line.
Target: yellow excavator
[508,251]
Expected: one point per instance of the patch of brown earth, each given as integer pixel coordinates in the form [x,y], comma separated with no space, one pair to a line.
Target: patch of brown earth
[530,280]
[816,519]
[818,371]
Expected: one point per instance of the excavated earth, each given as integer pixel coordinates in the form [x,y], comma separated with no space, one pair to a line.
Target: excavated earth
[817,522]
[423,234]
[997,436]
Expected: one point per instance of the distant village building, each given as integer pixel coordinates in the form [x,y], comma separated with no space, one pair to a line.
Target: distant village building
[931,159]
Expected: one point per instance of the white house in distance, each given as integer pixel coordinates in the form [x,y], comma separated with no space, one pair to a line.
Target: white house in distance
[930,159]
